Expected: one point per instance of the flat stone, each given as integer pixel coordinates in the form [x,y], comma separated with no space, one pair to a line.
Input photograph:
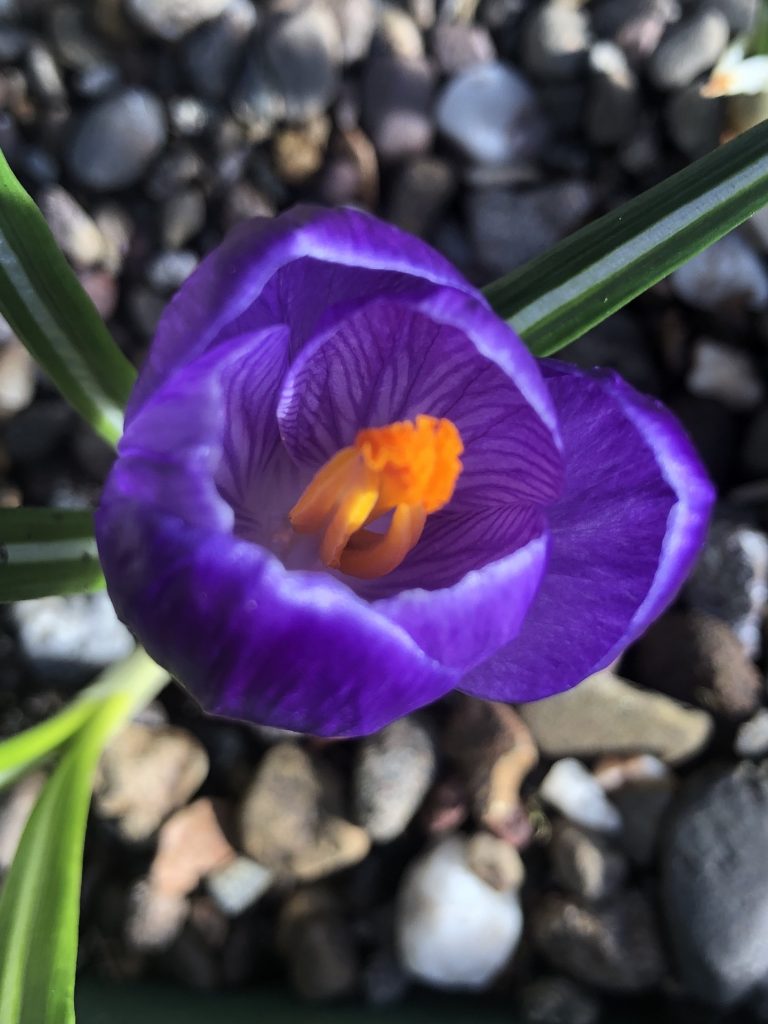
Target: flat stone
[145,774]
[714,887]
[606,714]
[453,930]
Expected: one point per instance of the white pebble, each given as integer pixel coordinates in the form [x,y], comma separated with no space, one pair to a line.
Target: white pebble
[239,885]
[752,736]
[453,930]
[577,794]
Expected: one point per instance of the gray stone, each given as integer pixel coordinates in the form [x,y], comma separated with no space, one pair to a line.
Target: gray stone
[607,715]
[116,140]
[238,885]
[212,53]
[169,270]
[508,227]
[557,1000]
[189,116]
[571,789]
[635,25]
[642,806]
[420,194]
[76,47]
[459,45]
[397,106]
[397,34]
[728,273]
[689,48]
[730,581]
[74,230]
[555,41]
[453,930]
[357,21]
[393,771]
[44,77]
[490,113]
[183,217]
[741,14]
[752,736]
[754,451]
[695,123]
[69,638]
[585,864]
[172,19]
[714,884]
[614,102]
[726,373]
[615,947]
[14,42]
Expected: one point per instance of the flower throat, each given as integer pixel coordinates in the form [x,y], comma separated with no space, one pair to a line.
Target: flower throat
[408,469]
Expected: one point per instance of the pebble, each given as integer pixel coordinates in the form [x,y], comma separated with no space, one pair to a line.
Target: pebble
[491,114]
[636,26]
[728,273]
[357,22]
[642,806]
[614,103]
[689,48]
[493,752]
[585,865]
[322,960]
[44,77]
[420,194]
[75,232]
[183,217]
[570,788]
[730,580]
[510,227]
[557,1000]
[758,228]
[725,373]
[299,153]
[555,41]
[697,658]
[695,123]
[17,378]
[284,825]
[714,887]
[171,19]
[752,736]
[714,431]
[154,919]
[606,714]
[14,42]
[397,106]
[212,53]
[238,885]
[38,431]
[495,861]
[458,46]
[167,271]
[68,638]
[116,140]
[754,451]
[453,930]
[393,772]
[615,948]
[145,774]
[190,845]
[397,34]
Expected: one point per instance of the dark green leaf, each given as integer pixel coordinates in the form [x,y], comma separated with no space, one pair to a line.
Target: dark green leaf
[47,551]
[556,297]
[43,302]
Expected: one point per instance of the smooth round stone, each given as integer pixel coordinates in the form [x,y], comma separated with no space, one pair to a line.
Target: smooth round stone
[694,121]
[453,930]
[729,272]
[573,790]
[172,19]
[555,41]
[116,140]
[490,112]
[688,49]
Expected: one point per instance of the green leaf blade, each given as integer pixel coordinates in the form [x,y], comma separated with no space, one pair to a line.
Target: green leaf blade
[47,551]
[43,301]
[557,297]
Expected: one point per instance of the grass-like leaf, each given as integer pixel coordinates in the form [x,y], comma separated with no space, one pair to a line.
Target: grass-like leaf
[555,298]
[47,551]
[39,902]
[43,301]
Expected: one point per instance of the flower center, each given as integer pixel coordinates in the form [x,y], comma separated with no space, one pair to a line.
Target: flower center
[408,469]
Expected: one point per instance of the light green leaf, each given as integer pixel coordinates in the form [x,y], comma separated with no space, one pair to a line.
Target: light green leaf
[556,297]
[47,551]
[42,300]
[39,902]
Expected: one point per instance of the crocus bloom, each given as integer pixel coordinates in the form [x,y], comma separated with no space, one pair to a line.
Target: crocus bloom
[346,487]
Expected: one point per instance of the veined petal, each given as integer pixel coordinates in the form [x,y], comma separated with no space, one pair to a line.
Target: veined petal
[293,269]
[624,535]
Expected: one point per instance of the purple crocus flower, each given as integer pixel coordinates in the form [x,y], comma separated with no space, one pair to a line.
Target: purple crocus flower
[346,487]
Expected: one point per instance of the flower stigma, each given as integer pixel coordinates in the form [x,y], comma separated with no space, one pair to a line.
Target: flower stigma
[408,469]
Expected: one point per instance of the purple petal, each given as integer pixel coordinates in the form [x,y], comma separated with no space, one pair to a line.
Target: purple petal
[291,270]
[624,535]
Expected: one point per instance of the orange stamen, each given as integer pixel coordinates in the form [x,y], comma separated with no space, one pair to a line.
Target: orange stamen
[407,468]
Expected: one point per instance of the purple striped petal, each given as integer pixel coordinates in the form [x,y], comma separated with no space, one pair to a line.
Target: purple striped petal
[624,535]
